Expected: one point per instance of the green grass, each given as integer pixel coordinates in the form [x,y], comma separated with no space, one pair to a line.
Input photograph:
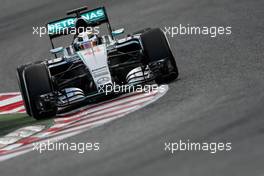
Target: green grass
[11,122]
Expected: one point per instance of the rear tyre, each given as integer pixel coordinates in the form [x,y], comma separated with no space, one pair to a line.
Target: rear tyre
[38,82]
[159,56]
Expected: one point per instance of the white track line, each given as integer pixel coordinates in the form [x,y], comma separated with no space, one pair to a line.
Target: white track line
[11,100]
[10,93]
[16,110]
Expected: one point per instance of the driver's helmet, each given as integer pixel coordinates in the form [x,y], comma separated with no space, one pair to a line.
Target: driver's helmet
[85,40]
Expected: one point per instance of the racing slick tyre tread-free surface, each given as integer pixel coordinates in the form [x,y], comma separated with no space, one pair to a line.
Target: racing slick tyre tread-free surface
[156,48]
[22,88]
[38,83]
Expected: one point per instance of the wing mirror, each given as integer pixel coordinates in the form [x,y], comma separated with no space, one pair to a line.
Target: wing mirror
[56,50]
[118,31]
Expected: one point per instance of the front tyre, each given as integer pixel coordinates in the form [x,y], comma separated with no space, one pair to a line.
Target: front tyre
[21,83]
[37,81]
[159,56]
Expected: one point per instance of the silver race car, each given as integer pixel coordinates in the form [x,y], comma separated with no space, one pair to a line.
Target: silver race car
[82,71]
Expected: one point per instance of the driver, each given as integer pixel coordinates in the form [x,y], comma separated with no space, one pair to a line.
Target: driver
[85,40]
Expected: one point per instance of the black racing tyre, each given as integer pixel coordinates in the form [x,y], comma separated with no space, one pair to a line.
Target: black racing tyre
[38,83]
[156,48]
[22,88]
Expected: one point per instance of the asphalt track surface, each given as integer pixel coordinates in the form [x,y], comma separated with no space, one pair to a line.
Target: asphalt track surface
[218,98]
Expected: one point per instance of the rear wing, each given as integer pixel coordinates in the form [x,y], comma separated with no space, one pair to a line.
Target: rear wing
[66,25]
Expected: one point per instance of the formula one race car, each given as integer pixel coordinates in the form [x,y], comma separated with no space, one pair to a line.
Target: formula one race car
[81,71]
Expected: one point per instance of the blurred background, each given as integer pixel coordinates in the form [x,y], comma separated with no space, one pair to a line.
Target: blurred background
[218,98]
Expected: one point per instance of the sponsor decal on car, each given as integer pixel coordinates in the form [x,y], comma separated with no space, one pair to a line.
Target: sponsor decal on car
[90,16]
